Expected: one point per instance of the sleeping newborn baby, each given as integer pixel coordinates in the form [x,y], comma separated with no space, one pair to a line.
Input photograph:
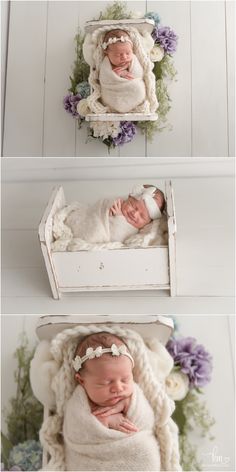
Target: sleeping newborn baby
[108,422]
[121,74]
[108,221]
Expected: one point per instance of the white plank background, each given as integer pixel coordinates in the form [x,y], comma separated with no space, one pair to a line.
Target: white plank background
[39,60]
[205,234]
[211,331]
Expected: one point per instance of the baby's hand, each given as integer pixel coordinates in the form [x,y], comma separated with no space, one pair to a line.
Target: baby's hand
[120,423]
[121,406]
[122,72]
[116,207]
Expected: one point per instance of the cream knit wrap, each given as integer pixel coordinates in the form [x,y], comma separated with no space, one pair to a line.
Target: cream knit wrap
[62,349]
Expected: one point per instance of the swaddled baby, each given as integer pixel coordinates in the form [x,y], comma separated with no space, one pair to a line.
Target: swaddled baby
[121,74]
[108,222]
[108,422]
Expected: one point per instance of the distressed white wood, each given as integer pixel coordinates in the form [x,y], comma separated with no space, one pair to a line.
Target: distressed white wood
[4,41]
[118,269]
[122,117]
[161,327]
[230,44]
[140,24]
[104,270]
[59,127]
[209,79]
[23,130]
[172,228]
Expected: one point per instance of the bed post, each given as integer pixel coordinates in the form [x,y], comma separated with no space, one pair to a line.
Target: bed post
[171,236]
[56,202]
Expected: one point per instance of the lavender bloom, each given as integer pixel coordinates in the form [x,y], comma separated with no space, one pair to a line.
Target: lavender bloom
[152,15]
[127,132]
[70,103]
[166,38]
[193,360]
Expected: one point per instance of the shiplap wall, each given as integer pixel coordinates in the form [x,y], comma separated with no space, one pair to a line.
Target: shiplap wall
[211,331]
[39,61]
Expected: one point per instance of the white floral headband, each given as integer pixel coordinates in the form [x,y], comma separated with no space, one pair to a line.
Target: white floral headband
[122,39]
[98,352]
[141,193]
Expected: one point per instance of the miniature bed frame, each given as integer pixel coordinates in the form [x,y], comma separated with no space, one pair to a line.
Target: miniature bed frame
[157,326]
[142,25]
[150,268]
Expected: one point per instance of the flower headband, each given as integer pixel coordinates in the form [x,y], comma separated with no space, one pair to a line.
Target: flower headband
[146,194]
[98,352]
[122,39]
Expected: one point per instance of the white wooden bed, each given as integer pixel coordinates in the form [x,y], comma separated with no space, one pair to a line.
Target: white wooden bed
[151,268]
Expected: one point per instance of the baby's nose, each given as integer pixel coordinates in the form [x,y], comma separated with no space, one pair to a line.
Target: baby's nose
[116,387]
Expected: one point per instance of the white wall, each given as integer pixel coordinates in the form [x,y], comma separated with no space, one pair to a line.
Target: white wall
[41,54]
[216,333]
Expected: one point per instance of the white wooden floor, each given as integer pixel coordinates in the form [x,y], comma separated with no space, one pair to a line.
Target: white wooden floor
[205,249]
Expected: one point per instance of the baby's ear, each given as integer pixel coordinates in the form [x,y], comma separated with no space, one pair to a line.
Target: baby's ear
[78,378]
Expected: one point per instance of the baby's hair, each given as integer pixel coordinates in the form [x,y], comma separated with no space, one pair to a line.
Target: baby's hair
[103,339]
[161,197]
[117,33]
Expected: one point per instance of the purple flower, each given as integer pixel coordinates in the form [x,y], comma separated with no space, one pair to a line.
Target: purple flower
[70,103]
[193,360]
[128,131]
[165,37]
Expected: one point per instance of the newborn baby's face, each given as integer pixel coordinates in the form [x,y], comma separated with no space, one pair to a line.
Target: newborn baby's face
[135,212]
[119,53]
[108,380]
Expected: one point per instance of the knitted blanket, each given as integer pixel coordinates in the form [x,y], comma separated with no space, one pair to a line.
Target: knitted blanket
[90,446]
[82,227]
[120,94]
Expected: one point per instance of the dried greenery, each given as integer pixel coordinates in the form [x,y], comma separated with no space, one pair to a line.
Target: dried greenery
[116,11]
[25,414]
[191,414]
[81,68]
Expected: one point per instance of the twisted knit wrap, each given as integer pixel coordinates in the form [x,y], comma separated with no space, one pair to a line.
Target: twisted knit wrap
[118,93]
[88,443]
[150,104]
[62,349]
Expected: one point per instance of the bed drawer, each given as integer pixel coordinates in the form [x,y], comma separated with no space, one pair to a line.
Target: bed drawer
[125,268]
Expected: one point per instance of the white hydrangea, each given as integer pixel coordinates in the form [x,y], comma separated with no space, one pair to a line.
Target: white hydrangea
[157,54]
[83,108]
[103,129]
[177,385]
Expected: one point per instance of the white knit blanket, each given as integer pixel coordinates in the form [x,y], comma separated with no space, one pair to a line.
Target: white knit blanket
[81,227]
[90,446]
[120,94]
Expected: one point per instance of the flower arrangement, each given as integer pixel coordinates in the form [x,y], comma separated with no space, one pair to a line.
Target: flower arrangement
[191,372]
[114,134]
[20,448]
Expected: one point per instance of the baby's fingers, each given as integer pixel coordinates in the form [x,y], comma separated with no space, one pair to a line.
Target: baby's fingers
[103,411]
[129,426]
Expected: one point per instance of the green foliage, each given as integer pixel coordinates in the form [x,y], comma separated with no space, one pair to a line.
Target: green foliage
[25,415]
[81,68]
[116,11]
[191,414]
[6,447]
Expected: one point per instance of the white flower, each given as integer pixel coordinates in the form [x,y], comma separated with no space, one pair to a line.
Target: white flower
[83,108]
[77,363]
[157,54]
[115,350]
[98,351]
[103,129]
[177,385]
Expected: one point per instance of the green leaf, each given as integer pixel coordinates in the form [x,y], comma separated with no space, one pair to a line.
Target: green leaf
[6,447]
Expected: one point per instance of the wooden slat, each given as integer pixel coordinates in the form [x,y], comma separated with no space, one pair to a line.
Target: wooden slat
[176,142]
[23,134]
[59,126]
[230,44]
[209,80]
